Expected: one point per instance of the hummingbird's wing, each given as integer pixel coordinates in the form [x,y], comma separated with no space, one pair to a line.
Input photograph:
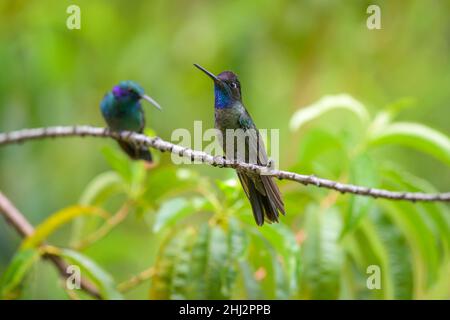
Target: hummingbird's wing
[134,151]
[256,149]
[142,126]
[261,206]
[262,191]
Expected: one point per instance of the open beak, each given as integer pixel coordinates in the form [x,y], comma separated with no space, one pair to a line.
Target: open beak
[209,74]
[151,100]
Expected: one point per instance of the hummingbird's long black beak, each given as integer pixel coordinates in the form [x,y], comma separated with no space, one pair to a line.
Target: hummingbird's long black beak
[209,74]
[151,100]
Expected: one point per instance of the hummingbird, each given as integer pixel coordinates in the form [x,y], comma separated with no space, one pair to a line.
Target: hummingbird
[122,110]
[230,113]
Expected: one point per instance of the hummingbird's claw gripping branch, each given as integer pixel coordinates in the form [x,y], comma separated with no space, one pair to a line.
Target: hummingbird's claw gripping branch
[162,145]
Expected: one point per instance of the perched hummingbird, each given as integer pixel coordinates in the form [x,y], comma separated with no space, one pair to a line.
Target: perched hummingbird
[122,110]
[230,113]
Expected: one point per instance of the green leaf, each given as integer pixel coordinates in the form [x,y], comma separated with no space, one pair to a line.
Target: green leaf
[213,264]
[322,254]
[251,286]
[98,191]
[172,277]
[268,265]
[56,220]
[437,213]
[180,276]
[425,227]
[378,255]
[238,241]
[119,161]
[415,136]
[326,104]
[398,279]
[231,189]
[421,240]
[199,259]
[169,182]
[395,107]
[173,210]
[21,263]
[216,276]
[101,188]
[363,172]
[282,289]
[274,255]
[286,250]
[317,153]
[98,275]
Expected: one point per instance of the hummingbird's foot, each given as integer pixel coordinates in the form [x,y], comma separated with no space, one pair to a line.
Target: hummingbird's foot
[271,164]
[268,167]
[219,161]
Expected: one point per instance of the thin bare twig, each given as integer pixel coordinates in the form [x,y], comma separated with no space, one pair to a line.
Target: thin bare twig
[158,143]
[136,280]
[109,224]
[15,218]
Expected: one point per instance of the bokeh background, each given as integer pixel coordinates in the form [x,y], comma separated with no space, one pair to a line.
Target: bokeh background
[288,54]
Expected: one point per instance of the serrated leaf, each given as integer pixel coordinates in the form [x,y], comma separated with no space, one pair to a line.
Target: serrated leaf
[420,238]
[322,254]
[209,266]
[326,104]
[415,136]
[424,225]
[200,255]
[181,266]
[56,220]
[98,275]
[172,269]
[398,284]
[218,285]
[21,263]
[378,256]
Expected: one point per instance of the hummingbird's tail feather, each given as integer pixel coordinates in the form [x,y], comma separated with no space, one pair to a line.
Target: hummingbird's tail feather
[136,152]
[273,193]
[265,205]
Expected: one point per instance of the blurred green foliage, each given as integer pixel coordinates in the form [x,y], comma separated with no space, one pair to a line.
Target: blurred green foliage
[191,225]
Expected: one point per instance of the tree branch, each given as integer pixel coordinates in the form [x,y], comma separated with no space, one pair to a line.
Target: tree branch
[15,218]
[158,143]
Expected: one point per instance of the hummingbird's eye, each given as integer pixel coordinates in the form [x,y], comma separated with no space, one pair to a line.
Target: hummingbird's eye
[234,85]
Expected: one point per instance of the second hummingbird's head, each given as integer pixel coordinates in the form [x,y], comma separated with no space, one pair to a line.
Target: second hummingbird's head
[227,88]
[130,91]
